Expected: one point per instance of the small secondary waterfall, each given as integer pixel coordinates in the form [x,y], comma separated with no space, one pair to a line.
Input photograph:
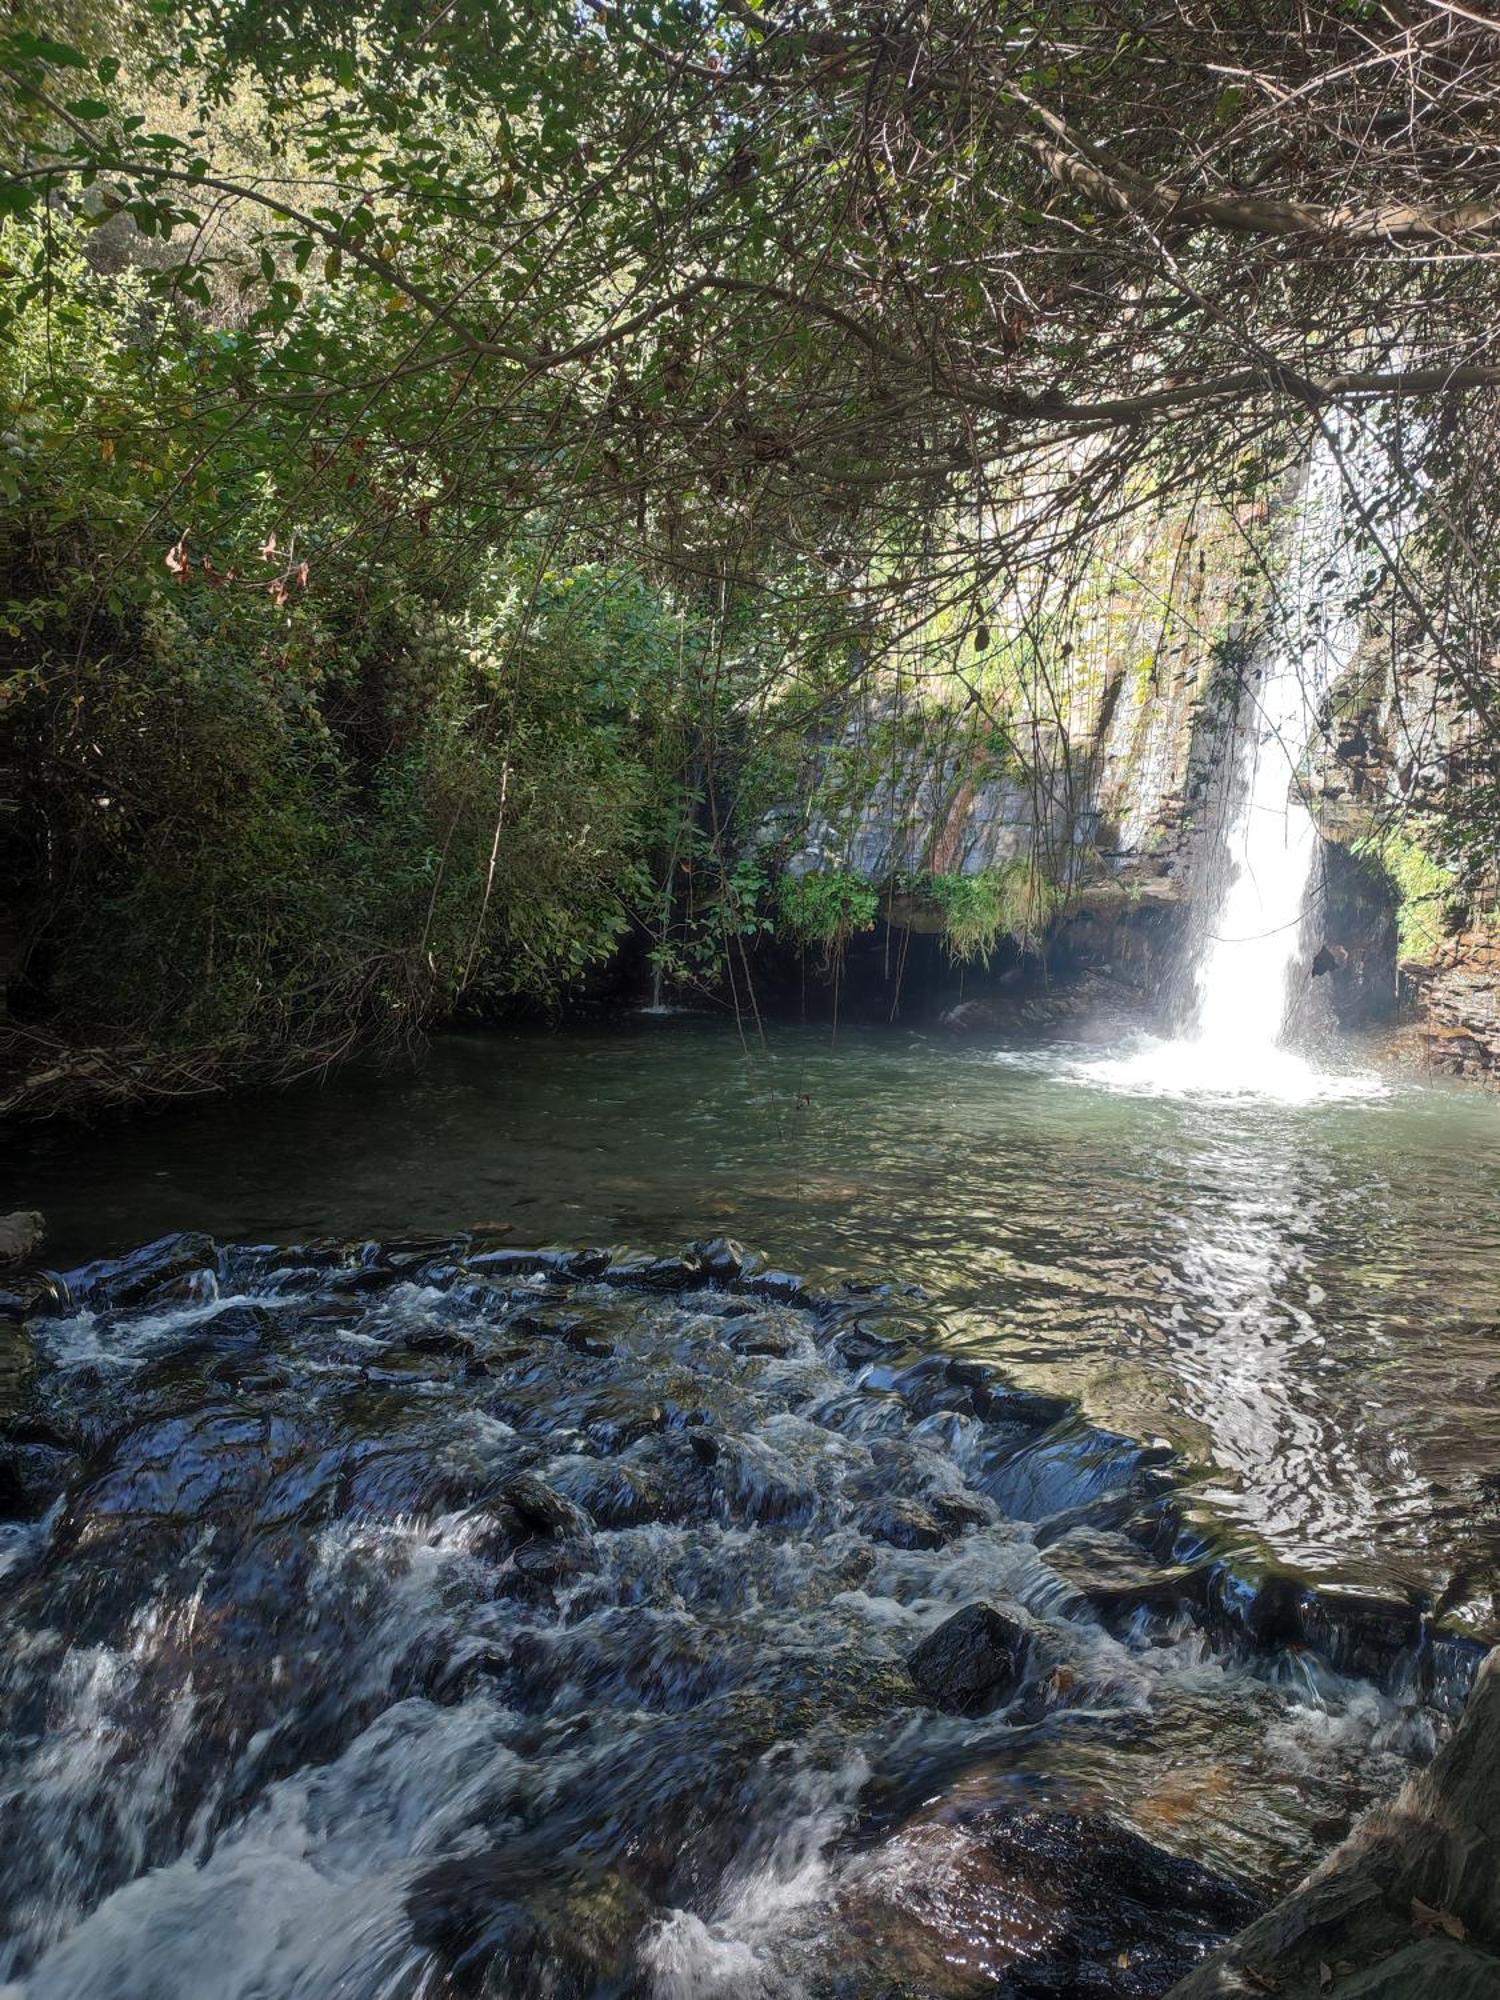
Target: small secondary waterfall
[1252,944]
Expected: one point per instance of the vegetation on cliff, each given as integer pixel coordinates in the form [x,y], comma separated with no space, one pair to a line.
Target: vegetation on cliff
[461,470]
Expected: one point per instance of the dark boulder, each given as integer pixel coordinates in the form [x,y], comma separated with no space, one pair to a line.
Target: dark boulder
[783,1286]
[546,1563]
[973,1661]
[720,1258]
[21,1235]
[543,1508]
[904,1524]
[126,1281]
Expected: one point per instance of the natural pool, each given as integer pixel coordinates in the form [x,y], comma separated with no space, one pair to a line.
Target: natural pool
[387,1619]
[1303,1296]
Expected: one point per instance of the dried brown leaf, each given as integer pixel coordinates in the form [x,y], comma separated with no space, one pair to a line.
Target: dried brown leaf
[1425,1920]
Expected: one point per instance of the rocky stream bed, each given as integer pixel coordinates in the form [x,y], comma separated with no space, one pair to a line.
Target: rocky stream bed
[424,1619]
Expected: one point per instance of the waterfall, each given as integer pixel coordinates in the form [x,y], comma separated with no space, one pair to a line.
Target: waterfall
[1252,942]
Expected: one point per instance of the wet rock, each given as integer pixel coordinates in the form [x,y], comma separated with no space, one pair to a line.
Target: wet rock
[618,1418]
[31,1477]
[518,1263]
[1032,1904]
[721,1259]
[1115,1576]
[860,1343]
[402,1482]
[126,1281]
[1408,1908]
[973,1661]
[190,1288]
[904,1524]
[454,1346]
[236,1326]
[512,1920]
[755,1339]
[958,1511]
[583,1340]
[783,1286]
[21,1236]
[453,1680]
[656,1274]
[1359,1633]
[492,1531]
[1000,1402]
[184,1467]
[546,1563]
[929,1386]
[1363,1635]
[543,1508]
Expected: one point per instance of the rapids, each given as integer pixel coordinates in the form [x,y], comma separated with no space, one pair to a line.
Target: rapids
[419,1620]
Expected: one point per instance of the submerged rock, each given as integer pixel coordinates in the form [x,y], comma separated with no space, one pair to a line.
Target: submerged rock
[1026,1903]
[973,1661]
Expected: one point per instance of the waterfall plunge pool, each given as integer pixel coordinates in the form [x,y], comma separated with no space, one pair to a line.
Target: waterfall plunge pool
[449,1626]
[1303,1297]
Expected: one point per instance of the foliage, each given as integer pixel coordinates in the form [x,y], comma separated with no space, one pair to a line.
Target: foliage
[825,908]
[1426,893]
[454,459]
[281,793]
[1016,900]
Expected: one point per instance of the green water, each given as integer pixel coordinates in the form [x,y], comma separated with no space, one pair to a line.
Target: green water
[1303,1297]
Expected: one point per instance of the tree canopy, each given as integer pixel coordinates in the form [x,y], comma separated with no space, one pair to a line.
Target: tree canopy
[808,326]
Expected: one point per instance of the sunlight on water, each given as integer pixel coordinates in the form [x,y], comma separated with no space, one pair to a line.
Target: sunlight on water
[1206,1068]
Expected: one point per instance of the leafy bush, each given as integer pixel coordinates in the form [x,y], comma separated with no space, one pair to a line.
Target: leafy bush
[825,909]
[1015,900]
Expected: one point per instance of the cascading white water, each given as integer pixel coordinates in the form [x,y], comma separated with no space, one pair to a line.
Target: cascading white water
[1253,942]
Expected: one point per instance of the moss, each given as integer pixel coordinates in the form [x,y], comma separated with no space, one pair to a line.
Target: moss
[1426,894]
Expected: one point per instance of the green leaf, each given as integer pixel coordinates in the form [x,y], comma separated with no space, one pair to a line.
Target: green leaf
[87,108]
[42,48]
